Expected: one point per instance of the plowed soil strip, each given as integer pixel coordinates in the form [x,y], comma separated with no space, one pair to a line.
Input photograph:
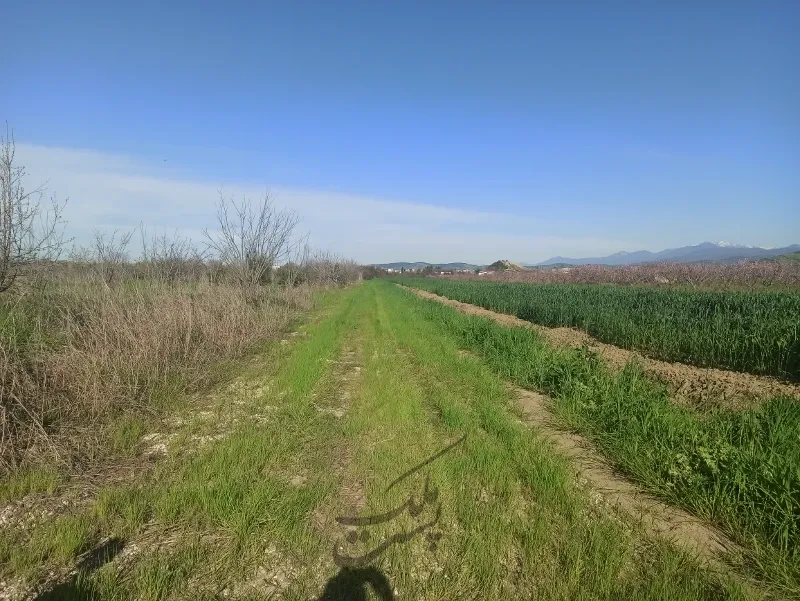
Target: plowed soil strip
[676,525]
[688,385]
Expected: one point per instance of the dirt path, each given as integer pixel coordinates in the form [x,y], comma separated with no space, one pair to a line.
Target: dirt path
[347,375]
[688,385]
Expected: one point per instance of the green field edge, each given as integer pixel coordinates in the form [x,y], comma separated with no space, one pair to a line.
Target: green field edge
[518,523]
[755,332]
[738,470]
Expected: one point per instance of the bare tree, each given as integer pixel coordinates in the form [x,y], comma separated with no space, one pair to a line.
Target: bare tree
[252,238]
[110,253]
[31,232]
[294,270]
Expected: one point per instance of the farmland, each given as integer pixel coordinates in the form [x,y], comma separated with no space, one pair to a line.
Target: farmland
[712,463]
[386,440]
[756,331]
[381,402]
[400,302]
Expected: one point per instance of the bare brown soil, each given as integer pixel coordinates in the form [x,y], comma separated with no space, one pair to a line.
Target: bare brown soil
[688,384]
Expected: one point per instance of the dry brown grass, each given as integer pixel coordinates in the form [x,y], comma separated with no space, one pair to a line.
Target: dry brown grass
[77,355]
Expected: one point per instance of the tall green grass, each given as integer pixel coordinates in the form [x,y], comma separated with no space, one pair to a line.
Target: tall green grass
[740,470]
[509,493]
[755,332]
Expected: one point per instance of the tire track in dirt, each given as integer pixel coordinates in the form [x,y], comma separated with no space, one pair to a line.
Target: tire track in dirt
[351,495]
[688,385]
[348,377]
[276,576]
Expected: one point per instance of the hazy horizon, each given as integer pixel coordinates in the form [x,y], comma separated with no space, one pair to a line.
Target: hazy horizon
[524,262]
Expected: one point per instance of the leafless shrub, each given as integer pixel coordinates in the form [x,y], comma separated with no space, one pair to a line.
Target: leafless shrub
[214,271]
[291,274]
[170,258]
[326,269]
[109,254]
[78,353]
[371,272]
[120,349]
[23,406]
[295,271]
[252,238]
[31,232]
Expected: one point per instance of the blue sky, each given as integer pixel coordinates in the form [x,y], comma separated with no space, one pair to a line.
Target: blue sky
[419,130]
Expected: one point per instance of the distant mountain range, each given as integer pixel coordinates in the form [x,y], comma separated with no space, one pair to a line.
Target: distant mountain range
[423,265]
[707,251]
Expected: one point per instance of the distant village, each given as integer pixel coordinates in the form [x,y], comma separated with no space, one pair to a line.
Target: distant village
[501,265]
[378,271]
[431,270]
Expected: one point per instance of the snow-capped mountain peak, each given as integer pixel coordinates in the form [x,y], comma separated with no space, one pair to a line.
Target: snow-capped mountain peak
[724,244]
[705,251]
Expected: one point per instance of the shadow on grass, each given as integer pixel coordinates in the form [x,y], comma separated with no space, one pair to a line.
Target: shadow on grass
[77,588]
[350,584]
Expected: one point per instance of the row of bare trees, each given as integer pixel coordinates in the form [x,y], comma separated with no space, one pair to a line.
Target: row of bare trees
[255,243]
[254,248]
[745,274]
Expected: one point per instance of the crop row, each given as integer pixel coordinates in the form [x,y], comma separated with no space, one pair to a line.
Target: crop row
[755,332]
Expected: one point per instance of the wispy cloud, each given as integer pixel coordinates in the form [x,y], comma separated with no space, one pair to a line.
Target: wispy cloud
[113,191]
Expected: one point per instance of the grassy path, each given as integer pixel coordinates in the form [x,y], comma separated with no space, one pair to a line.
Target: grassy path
[736,469]
[368,450]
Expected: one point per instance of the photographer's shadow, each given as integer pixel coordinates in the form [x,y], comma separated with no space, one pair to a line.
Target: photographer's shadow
[350,584]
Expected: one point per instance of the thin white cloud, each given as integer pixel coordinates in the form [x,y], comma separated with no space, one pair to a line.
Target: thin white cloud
[112,191]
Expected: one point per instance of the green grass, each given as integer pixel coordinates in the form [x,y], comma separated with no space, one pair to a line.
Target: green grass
[126,433]
[33,480]
[514,523]
[756,332]
[54,542]
[739,469]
